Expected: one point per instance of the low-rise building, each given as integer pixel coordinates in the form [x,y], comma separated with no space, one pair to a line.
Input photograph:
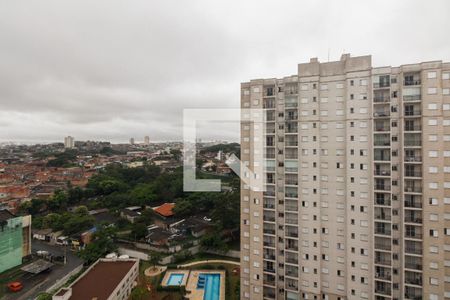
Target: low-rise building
[106,279]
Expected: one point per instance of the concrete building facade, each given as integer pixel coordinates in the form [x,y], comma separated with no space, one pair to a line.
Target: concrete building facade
[356,164]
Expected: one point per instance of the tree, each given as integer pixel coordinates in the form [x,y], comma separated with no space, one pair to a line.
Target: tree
[44,296]
[154,258]
[213,242]
[138,231]
[139,293]
[102,244]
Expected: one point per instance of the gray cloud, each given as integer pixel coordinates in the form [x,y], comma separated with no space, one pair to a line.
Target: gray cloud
[110,70]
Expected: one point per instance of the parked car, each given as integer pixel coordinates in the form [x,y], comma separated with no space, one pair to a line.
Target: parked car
[15,286]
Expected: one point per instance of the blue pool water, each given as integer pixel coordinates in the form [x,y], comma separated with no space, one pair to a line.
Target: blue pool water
[175,279]
[211,284]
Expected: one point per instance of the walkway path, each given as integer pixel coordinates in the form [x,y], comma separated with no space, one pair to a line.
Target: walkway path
[210,261]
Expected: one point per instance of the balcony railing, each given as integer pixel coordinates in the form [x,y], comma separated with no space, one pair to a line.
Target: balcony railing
[269,231]
[413,203]
[410,113]
[413,142]
[382,84]
[412,97]
[409,82]
[415,158]
[381,99]
[413,189]
[415,173]
[386,172]
[381,114]
[383,187]
[415,127]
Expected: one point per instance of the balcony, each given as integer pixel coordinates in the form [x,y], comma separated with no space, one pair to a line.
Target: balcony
[382,187]
[382,228]
[412,293]
[413,201]
[413,158]
[413,188]
[269,205]
[291,102]
[382,199]
[383,243]
[381,98]
[413,216]
[382,273]
[413,263]
[291,245]
[382,288]
[291,127]
[413,247]
[382,172]
[269,231]
[269,219]
[382,155]
[291,115]
[269,91]
[413,127]
[382,140]
[269,104]
[382,81]
[413,113]
[382,258]
[292,260]
[413,173]
[413,278]
[383,214]
[413,232]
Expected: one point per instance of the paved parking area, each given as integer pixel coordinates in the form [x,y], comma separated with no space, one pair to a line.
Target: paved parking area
[35,284]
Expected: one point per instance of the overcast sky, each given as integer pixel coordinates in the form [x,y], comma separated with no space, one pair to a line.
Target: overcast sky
[110,70]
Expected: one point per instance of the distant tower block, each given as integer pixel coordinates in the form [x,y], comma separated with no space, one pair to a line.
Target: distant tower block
[146,140]
[69,142]
[132,141]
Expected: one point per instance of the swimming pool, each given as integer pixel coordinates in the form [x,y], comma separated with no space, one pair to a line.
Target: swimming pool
[175,279]
[211,284]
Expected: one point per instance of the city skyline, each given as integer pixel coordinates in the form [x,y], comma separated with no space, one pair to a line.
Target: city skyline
[88,77]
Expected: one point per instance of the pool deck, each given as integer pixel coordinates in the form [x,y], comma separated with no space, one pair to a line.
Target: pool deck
[170,272]
[196,294]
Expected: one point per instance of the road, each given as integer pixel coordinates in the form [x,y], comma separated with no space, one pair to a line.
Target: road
[33,285]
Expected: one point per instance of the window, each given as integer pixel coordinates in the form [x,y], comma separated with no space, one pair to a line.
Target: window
[446,75]
[432,122]
[339,85]
[433,170]
[324,87]
[304,87]
[432,106]
[445,91]
[431,75]
[363,82]
[432,91]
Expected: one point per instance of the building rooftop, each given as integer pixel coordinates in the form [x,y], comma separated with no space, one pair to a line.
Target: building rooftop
[101,280]
[165,210]
[6,215]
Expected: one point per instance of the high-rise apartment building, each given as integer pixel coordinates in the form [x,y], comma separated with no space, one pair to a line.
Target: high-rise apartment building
[146,140]
[356,168]
[69,142]
[131,141]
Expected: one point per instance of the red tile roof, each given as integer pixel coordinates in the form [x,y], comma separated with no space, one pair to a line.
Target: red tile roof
[165,210]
